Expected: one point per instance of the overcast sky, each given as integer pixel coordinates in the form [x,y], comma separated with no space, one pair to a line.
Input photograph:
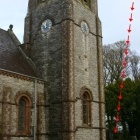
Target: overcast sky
[114,15]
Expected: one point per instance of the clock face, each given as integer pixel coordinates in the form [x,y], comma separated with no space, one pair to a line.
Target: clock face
[84,27]
[46,26]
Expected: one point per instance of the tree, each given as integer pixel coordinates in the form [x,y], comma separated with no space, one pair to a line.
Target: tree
[111,102]
[134,65]
[113,56]
[128,106]
[112,61]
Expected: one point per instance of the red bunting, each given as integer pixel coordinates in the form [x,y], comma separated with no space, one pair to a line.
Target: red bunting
[120,96]
[117,118]
[128,40]
[123,74]
[122,85]
[125,63]
[119,107]
[126,51]
[116,129]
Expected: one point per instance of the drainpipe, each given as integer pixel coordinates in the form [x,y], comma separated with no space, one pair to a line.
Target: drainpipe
[35,109]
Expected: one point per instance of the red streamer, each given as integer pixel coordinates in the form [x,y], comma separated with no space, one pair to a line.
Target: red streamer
[120,96]
[123,74]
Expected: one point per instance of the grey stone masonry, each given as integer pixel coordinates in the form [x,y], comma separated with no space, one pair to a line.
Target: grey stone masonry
[70,62]
[12,86]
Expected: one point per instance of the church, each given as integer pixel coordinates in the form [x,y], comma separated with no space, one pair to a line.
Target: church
[51,85]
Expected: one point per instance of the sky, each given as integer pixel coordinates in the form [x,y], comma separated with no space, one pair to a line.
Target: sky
[114,15]
[13,12]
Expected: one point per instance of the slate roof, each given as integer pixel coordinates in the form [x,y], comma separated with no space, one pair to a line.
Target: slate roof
[11,58]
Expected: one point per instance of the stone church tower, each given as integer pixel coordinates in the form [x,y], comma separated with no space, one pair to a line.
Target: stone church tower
[51,87]
[63,38]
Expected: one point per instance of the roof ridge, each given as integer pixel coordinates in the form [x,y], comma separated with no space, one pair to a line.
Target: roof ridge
[30,62]
[3,29]
[14,37]
[13,58]
[27,59]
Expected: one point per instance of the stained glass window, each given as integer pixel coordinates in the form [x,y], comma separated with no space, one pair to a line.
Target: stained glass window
[22,114]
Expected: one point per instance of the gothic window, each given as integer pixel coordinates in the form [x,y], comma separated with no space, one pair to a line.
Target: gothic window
[24,108]
[86,106]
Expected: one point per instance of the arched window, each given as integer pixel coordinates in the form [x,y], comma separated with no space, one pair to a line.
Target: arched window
[24,115]
[86,106]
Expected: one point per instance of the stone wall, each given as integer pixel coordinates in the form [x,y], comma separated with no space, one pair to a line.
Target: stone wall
[86,71]
[10,89]
[69,61]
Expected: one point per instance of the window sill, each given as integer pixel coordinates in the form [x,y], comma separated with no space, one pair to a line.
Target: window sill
[85,126]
